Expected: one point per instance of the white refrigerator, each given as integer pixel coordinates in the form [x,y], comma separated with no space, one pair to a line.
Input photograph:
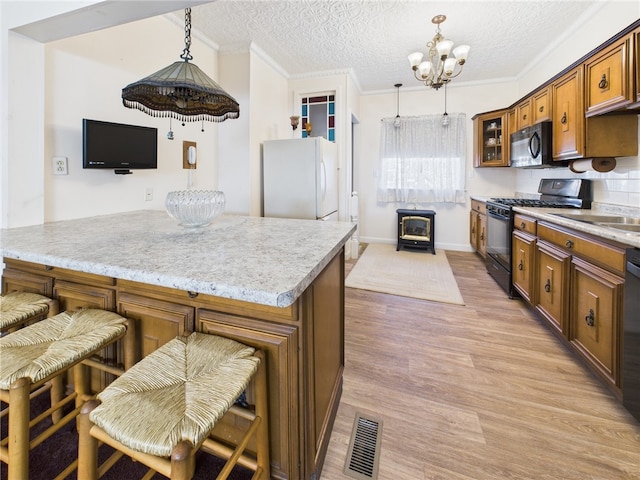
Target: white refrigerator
[300,178]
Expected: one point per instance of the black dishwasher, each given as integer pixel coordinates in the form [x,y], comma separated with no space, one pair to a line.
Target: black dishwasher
[631,335]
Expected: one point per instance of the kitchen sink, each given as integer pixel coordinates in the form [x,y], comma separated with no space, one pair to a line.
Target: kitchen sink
[600,219]
[628,227]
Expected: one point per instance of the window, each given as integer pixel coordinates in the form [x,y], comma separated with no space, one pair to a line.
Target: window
[422,161]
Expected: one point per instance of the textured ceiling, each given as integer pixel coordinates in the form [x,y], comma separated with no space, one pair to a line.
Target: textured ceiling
[374,37]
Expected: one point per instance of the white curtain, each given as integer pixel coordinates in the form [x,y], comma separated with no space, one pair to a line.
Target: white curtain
[422,160]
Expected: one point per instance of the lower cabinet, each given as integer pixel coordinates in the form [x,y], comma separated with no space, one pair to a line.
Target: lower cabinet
[578,290]
[596,311]
[523,253]
[552,286]
[478,227]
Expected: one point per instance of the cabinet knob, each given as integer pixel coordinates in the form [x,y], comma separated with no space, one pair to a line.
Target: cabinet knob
[192,294]
[603,81]
[524,117]
[547,286]
[482,236]
[563,120]
[521,265]
[522,225]
[590,319]
[541,109]
[568,244]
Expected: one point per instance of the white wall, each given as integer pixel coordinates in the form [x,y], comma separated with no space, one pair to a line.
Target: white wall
[85,75]
[378,221]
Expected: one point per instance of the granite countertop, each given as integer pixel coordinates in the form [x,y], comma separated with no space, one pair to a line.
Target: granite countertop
[269,261]
[548,215]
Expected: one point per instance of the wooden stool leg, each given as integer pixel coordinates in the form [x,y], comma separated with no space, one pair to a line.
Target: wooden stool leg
[183,464]
[262,405]
[87,445]
[18,468]
[57,394]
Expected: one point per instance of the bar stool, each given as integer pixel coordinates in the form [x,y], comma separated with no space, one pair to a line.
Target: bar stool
[163,410]
[38,353]
[20,308]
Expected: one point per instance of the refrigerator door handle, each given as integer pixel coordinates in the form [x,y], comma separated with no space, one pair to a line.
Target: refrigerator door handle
[323,179]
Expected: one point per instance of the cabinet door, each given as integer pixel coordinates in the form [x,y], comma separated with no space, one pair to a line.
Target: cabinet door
[482,235]
[523,114]
[609,79]
[74,296]
[523,263]
[541,106]
[280,344]
[473,229]
[568,116]
[490,145]
[156,321]
[552,282]
[596,306]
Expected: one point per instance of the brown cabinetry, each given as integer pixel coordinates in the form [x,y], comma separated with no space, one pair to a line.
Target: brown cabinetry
[609,78]
[304,345]
[541,106]
[478,227]
[596,306]
[568,116]
[523,256]
[579,292]
[523,114]
[490,137]
[552,286]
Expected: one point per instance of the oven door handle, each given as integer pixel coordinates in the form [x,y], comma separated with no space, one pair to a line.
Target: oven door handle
[497,216]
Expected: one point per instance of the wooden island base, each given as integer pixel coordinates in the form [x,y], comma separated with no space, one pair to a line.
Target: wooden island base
[304,344]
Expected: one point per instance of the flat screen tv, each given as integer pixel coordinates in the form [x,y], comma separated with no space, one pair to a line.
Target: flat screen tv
[118,147]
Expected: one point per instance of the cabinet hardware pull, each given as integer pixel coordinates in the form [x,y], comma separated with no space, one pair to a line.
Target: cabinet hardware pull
[590,319]
[568,244]
[603,81]
[192,294]
[541,109]
[473,230]
[48,268]
[563,120]
[524,117]
[521,265]
[547,286]
[482,236]
[522,225]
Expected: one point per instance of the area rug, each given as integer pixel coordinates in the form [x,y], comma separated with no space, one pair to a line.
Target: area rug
[415,274]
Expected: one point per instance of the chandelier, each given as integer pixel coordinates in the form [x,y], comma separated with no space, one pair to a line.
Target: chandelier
[181,91]
[439,68]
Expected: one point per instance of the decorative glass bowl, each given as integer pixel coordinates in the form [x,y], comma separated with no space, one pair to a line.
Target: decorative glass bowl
[195,208]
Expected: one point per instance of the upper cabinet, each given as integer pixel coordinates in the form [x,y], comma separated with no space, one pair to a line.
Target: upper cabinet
[491,139]
[609,78]
[568,116]
[593,105]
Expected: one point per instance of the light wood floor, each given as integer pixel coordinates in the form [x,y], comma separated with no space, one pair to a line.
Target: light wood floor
[481,391]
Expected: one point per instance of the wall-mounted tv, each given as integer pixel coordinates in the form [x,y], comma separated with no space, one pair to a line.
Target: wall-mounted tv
[118,147]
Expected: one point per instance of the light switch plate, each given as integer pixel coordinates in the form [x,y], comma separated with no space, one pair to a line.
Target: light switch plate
[60,166]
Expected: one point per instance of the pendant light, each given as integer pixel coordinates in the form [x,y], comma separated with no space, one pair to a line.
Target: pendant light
[181,91]
[396,122]
[445,116]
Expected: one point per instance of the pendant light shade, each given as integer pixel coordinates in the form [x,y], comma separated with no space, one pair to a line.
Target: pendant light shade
[181,91]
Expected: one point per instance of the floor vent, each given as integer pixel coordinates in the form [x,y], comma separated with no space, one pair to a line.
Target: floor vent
[364,448]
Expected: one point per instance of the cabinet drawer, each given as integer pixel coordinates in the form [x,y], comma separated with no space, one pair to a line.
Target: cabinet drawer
[478,206]
[595,250]
[524,223]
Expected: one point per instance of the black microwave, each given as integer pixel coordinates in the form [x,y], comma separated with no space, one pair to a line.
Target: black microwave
[531,147]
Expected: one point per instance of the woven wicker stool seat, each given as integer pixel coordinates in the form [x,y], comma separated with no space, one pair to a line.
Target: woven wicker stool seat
[17,308]
[171,400]
[38,353]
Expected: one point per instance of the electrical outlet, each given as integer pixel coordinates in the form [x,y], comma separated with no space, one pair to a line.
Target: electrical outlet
[148,194]
[60,166]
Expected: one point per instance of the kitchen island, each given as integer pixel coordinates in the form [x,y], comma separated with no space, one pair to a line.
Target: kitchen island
[275,284]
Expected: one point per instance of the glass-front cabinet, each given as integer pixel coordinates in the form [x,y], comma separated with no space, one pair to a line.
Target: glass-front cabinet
[491,139]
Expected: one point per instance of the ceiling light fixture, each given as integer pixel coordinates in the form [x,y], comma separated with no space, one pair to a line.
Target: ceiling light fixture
[396,122]
[439,68]
[181,91]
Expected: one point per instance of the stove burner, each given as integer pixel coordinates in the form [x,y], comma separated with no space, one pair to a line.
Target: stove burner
[533,202]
